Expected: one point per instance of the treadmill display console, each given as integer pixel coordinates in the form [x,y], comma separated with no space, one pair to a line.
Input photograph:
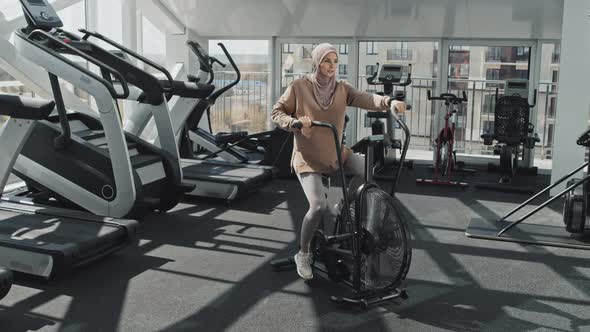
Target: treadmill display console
[40,15]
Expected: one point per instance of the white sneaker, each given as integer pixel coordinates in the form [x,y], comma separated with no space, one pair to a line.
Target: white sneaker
[303,262]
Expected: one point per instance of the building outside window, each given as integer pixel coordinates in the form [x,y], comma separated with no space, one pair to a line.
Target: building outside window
[342,70]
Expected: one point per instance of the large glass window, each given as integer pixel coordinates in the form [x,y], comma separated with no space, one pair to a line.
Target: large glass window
[423,58]
[479,70]
[73,18]
[153,44]
[245,106]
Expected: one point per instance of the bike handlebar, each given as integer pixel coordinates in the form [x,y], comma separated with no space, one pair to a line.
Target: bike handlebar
[448,97]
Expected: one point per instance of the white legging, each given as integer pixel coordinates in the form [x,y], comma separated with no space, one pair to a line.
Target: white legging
[316,196]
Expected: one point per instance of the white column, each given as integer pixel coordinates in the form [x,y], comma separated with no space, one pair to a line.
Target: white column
[130,24]
[573,97]
[176,50]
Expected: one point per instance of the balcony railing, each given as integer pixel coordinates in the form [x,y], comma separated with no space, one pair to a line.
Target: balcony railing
[243,107]
[479,115]
[474,118]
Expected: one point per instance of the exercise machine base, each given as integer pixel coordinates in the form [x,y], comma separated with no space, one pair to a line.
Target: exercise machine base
[505,187]
[442,183]
[363,300]
[555,236]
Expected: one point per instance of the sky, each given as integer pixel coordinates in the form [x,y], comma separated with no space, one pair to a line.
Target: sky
[239,47]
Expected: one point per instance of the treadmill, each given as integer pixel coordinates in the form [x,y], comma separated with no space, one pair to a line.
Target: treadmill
[188,102]
[41,241]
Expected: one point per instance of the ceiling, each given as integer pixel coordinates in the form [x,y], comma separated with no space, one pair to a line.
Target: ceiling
[521,19]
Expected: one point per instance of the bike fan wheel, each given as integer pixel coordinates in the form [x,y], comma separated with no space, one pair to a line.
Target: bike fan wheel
[385,243]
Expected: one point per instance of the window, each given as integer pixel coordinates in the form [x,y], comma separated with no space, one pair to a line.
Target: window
[459,70]
[492,74]
[550,130]
[304,52]
[554,75]
[552,107]
[489,104]
[245,106]
[522,54]
[522,74]
[154,44]
[458,48]
[298,64]
[342,69]
[488,126]
[401,52]
[494,54]
[343,49]
[556,55]
[370,70]
[371,48]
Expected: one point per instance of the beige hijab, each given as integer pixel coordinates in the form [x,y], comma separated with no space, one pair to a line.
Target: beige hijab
[323,87]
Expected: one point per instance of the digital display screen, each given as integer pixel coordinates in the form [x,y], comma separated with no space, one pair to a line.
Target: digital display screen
[36,2]
[392,68]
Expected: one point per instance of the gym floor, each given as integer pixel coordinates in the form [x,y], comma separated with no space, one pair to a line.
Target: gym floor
[205,267]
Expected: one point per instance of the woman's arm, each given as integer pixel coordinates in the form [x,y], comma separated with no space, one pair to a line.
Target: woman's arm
[365,100]
[284,108]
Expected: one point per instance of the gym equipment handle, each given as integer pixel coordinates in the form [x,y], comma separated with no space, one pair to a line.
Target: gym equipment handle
[448,97]
[219,92]
[98,63]
[133,54]
[206,62]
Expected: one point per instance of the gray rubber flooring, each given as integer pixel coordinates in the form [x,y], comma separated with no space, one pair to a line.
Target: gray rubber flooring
[205,267]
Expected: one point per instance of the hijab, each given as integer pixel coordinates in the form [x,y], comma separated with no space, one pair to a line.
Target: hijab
[324,87]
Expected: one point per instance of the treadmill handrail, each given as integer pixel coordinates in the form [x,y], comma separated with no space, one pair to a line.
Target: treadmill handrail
[133,54]
[98,63]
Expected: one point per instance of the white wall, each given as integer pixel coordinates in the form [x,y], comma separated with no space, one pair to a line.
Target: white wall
[573,97]
[529,19]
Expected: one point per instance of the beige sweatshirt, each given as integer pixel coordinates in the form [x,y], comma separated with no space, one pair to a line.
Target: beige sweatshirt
[314,149]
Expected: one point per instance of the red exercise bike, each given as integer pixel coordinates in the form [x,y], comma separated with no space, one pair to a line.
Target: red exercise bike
[446,162]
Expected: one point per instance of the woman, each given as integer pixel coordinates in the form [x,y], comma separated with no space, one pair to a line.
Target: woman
[320,97]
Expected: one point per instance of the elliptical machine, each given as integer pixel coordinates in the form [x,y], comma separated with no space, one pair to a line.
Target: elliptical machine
[369,247]
[390,75]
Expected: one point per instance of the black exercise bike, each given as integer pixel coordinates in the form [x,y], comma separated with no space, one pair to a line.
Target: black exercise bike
[369,247]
